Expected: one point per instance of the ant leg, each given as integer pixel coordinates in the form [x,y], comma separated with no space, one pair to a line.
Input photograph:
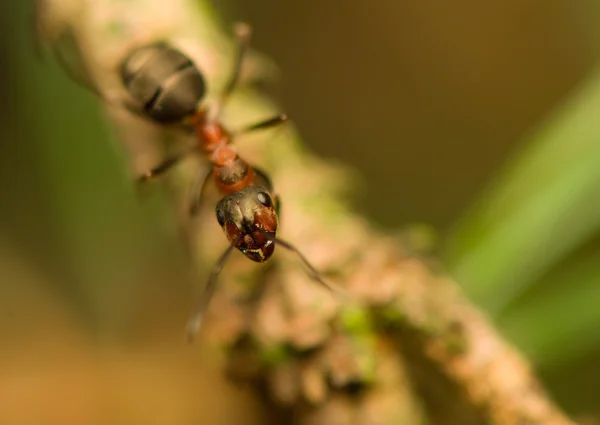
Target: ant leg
[198,195]
[195,321]
[161,168]
[164,166]
[263,180]
[75,71]
[78,77]
[84,81]
[278,205]
[262,125]
[243,33]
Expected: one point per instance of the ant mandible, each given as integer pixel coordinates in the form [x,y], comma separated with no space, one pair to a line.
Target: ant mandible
[166,87]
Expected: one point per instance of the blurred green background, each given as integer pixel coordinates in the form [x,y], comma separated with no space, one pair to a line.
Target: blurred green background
[479,118]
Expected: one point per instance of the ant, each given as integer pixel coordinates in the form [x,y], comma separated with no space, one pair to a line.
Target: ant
[166,87]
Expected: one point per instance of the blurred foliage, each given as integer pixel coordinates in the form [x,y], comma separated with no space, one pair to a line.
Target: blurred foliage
[541,209]
[429,113]
[528,249]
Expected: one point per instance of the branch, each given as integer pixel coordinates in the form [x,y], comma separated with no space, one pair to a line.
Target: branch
[406,347]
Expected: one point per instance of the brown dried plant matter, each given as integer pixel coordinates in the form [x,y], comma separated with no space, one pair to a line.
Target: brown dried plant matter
[404,347]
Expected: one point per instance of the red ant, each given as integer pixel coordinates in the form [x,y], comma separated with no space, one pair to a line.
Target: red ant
[166,87]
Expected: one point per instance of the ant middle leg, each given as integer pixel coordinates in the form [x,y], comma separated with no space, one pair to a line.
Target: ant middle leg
[263,125]
[164,166]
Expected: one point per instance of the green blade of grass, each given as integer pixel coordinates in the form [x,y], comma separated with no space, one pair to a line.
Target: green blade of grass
[542,206]
[562,321]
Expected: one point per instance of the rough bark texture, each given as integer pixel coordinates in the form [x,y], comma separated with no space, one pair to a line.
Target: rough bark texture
[405,347]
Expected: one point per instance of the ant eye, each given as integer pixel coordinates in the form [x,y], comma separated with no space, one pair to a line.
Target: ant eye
[220,217]
[264,199]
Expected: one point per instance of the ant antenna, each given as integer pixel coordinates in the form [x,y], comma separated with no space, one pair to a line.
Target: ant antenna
[312,272]
[195,321]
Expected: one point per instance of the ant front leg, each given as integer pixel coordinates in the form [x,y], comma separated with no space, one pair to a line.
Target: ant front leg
[263,180]
[195,321]
[277,202]
[198,190]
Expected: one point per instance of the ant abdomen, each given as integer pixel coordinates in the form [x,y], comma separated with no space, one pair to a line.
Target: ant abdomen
[163,81]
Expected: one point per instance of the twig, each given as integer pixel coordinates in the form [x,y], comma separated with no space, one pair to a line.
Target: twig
[409,349]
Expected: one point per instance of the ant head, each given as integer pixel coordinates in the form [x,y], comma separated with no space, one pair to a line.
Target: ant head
[248,217]
[163,81]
